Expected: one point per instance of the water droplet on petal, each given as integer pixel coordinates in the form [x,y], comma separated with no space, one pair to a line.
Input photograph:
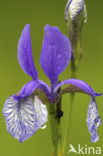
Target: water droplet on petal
[66,52]
[58,67]
[43,127]
[67,61]
[85,21]
[59,56]
[98,121]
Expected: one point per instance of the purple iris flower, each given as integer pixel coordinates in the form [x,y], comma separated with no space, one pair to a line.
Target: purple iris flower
[24,112]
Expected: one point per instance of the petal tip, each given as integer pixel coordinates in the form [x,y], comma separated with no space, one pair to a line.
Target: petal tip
[46,27]
[96,94]
[27,26]
[50,28]
[26,30]
[95,139]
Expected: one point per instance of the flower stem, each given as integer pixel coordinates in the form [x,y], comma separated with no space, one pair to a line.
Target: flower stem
[68,126]
[54,128]
[55,115]
[69,116]
[55,125]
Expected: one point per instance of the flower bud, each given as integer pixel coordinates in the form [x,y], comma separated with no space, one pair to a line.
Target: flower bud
[75,15]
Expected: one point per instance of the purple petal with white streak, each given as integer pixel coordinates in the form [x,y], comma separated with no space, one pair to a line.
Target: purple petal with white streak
[24,117]
[79,83]
[93,120]
[25,57]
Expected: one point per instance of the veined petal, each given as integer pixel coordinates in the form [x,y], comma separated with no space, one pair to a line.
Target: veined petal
[30,87]
[93,120]
[79,83]
[25,57]
[24,117]
[55,53]
[41,111]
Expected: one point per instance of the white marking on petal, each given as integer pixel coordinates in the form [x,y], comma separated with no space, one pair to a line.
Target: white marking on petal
[93,120]
[24,117]
[41,111]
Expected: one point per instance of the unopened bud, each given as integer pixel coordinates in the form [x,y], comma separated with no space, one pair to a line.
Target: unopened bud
[75,15]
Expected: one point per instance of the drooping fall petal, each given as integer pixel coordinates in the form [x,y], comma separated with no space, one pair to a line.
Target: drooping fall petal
[93,120]
[24,117]
[78,83]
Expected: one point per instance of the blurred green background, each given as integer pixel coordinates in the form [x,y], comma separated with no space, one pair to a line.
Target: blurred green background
[14,14]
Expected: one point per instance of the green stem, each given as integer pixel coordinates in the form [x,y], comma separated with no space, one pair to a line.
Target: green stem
[59,135]
[68,127]
[54,128]
[69,116]
[55,124]
[73,69]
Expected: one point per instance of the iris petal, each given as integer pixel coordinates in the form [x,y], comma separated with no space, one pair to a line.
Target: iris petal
[24,117]
[25,57]
[93,120]
[30,87]
[55,53]
[79,83]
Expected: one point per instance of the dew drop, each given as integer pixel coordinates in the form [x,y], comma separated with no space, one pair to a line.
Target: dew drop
[66,61]
[85,21]
[85,17]
[28,48]
[98,121]
[43,127]
[66,52]
[59,56]
[58,67]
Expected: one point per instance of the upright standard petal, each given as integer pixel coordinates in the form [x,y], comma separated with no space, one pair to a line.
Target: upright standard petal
[78,83]
[93,120]
[25,57]
[55,53]
[24,117]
